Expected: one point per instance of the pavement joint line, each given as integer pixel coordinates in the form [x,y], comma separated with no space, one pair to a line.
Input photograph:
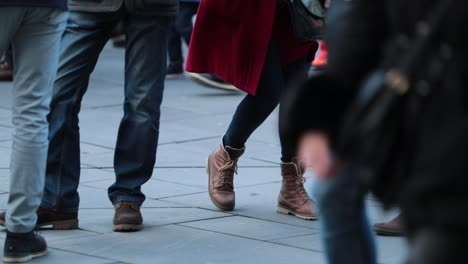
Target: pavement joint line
[251,238]
[281,238]
[189,140]
[274,221]
[298,236]
[103,106]
[178,183]
[84,254]
[89,166]
[97,145]
[189,221]
[267,161]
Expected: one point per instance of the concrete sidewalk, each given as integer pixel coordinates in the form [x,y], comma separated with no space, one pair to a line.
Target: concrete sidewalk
[181,224]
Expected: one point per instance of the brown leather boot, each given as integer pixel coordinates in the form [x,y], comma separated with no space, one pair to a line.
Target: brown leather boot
[127,217]
[293,198]
[47,217]
[393,227]
[220,167]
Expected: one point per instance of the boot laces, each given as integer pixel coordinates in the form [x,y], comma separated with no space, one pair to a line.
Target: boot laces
[227,172]
[300,180]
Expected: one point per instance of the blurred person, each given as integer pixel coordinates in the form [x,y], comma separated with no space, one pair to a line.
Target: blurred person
[88,29]
[34,30]
[433,197]
[182,28]
[251,45]
[6,66]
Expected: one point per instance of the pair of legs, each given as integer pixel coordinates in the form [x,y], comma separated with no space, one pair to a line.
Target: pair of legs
[182,28]
[145,68]
[250,114]
[255,109]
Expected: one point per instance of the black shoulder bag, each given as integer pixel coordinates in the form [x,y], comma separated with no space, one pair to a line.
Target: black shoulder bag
[307,19]
[380,127]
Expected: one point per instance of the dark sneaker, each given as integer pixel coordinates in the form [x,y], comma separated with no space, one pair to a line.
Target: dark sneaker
[127,217]
[211,80]
[174,70]
[119,41]
[6,71]
[393,227]
[23,247]
[50,218]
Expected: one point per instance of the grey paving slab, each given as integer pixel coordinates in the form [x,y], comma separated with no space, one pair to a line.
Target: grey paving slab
[57,256]
[389,249]
[6,133]
[91,175]
[4,180]
[311,242]
[100,220]
[5,112]
[253,201]
[250,227]
[195,153]
[5,153]
[54,235]
[197,176]
[178,244]
[154,188]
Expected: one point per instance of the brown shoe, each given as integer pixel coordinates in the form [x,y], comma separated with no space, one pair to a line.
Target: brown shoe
[293,198]
[6,71]
[127,217]
[47,217]
[393,227]
[221,166]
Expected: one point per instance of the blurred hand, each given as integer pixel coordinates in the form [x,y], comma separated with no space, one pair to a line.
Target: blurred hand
[314,152]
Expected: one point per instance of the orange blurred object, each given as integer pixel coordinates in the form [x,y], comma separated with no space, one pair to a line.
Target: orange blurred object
[320,61]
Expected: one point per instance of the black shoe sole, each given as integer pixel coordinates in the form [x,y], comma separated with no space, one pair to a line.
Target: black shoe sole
[25,258]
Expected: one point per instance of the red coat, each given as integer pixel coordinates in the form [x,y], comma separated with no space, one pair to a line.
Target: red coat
[230,39]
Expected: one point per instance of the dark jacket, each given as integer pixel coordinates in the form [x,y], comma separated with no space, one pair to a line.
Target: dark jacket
[61,4]
[164,8]
[435,193]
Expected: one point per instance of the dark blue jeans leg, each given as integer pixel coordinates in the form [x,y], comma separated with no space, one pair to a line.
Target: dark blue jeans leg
[345,231]
[145,69]
[184,23]
[83,40]
[182,28]
[254,110]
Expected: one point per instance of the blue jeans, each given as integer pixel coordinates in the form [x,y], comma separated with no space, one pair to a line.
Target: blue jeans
[145,69]
[253,110]
[345,231]
[35,36]
[181,28]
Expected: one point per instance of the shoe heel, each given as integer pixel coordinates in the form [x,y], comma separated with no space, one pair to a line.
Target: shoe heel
[282,210]
[66,225]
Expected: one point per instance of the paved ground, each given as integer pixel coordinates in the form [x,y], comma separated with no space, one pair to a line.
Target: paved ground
[181,224]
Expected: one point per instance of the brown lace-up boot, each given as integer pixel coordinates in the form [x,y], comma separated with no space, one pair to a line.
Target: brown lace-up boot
[221,166]
[293,198]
